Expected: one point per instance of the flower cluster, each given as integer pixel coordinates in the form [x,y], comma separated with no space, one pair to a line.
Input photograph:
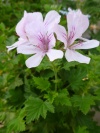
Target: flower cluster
[36,36]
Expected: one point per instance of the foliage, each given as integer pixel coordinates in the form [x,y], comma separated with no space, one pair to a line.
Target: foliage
[33,100]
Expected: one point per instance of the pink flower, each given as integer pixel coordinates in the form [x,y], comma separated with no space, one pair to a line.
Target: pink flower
[77,25]
[36,37]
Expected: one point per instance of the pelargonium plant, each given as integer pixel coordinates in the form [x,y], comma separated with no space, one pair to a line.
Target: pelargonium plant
[53,48]
[36,36]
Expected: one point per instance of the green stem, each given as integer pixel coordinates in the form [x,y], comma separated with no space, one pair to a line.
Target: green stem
[55,80]
[55,73]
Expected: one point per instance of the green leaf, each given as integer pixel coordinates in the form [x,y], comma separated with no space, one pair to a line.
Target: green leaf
[85,120]
[51,96]
[36,107]
[76,77]
[10,40]
[41,83]
[16,83]
[68,65]
[63,98]
[82,130]
[2,26]
[3,80]
[15,97]
[47,74]
[16,124]
[83,102]
[97,93]
[2,116]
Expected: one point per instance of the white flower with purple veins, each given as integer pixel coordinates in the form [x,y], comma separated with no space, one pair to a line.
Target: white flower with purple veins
[20,28]
[77,25]
[36,37]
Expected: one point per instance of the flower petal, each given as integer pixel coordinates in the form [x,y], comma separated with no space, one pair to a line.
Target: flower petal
[86,45]
[27,18]
[52,40]
[20,27]
[72,55]
[16,44]
[54,54]
[35,31]
[34,60]
[77,24]
[61,33]
[12,46]
[51,19]
[26,49]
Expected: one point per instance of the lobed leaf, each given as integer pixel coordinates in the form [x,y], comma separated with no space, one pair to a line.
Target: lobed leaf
[36,107]
[41,83]
[83,102]
[16,124]
[62,98]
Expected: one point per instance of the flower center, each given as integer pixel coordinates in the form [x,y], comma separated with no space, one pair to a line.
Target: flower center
[71,36]
[44,42]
